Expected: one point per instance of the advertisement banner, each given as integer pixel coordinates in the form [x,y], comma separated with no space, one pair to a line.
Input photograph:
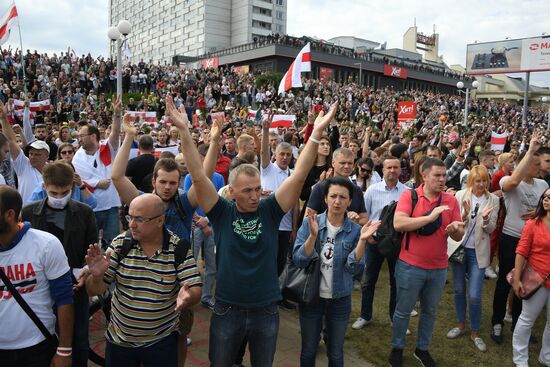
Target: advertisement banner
[210,63]
[243,69]
[395,71]
[508,56]
[406,113]
[325,74]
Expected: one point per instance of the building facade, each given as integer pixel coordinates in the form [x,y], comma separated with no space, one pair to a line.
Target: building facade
[162,29]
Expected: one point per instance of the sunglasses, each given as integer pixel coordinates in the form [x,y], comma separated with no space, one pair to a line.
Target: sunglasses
[545,196]
[366,170]
[65,152]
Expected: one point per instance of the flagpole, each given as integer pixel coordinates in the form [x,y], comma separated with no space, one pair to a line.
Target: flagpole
[22,55]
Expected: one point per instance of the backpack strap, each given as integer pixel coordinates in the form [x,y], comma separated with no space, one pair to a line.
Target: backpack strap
[127,245]
[414,197]
[180,252]
[180,210]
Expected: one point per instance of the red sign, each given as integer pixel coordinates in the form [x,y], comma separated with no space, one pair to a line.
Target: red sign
[210,63]
[395,71]
[325,74]
[406,112]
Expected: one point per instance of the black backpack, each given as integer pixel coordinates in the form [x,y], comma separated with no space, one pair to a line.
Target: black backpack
[180,250]
[388,239]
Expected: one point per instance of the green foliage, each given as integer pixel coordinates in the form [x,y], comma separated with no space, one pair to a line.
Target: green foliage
[265,79]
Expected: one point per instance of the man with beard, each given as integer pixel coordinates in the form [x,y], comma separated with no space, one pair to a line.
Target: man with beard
[73,223]
[36,265]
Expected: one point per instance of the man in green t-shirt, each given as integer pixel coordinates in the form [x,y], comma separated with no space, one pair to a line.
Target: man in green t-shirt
[246,237]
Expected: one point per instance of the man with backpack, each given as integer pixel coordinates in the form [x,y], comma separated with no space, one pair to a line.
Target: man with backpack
[155,277]
[377,197]
[421,270]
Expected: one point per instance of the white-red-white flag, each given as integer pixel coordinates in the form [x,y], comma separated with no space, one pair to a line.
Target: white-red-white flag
[19,106]
[498,141]
[7,23]
[293,77]
[282,120]
[149,117]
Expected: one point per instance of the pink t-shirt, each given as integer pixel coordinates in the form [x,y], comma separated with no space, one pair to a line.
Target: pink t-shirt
[427,252]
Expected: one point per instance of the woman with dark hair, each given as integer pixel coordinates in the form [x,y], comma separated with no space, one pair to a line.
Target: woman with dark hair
[339,244]
[416,179]
[533,250]
[66,152]
[366,175]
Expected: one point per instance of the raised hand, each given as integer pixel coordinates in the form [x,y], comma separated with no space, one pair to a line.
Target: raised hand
[313,225]
[535,143]
[266,123]
[97,262]
[179,119]
[466,207]
[183,299]
[117,106]
[216,129]
[369,229]
[485,213]
[3,114]
[311,115]
[127,125]
[322,121]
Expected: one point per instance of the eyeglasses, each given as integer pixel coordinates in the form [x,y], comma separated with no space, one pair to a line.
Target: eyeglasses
[65,152]
[140,220]
[82,135]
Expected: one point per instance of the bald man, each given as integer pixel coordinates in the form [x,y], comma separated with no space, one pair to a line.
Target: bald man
[151,287]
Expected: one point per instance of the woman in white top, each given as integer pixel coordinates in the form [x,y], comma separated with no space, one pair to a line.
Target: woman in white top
[479,210]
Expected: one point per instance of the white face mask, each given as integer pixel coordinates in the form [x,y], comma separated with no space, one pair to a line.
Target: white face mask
[59,203]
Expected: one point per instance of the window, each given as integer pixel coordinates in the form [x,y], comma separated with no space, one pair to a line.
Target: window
[279,15]
[263,25]
[279,2]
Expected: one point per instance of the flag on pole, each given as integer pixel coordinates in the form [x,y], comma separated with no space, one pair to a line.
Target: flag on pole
[282,120]
[293,77]
[72,54]
[498,141]
[7,23]
[127,50]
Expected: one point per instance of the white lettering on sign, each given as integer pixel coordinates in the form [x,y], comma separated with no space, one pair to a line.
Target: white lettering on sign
[395,71]
[406,109]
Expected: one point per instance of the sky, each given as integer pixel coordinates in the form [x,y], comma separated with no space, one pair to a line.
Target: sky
[52,26]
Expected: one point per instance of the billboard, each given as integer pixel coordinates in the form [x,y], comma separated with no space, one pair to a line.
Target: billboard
[406,113]
[508,56]
[325,74]
[395,71]
[210,63]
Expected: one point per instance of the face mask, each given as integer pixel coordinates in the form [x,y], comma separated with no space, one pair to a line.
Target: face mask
[59,203]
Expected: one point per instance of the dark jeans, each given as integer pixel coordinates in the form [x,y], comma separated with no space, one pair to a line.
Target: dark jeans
[230,324]
[373,265]
[506,261]
[284,248]
[336,315]
[109,221]
[162,353]
[81,346]
[38,355]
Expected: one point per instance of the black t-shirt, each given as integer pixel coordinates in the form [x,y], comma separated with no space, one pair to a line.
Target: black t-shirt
[317,201]
[141,170]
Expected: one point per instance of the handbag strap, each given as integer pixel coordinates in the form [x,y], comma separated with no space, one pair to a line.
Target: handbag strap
[24,305]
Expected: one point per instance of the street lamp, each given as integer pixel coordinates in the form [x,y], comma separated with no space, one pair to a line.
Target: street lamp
[360,71]
[460,85]
[119,34]
[545,100]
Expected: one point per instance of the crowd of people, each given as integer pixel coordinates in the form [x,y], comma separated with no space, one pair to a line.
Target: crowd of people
[95,200]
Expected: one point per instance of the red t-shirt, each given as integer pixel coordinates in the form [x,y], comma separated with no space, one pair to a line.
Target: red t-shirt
[427,252]
[534,244]
[222,167]
[495,181]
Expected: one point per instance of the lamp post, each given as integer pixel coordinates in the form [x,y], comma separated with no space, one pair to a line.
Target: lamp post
[360,72]
[115,33]
[460,85]
[545,100]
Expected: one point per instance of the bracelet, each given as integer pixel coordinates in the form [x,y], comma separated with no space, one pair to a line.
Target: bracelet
[65,349]
[62,354]
[316,141]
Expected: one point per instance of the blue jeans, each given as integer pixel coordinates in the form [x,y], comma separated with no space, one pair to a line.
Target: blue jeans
[81,344]
[336,314]
[162,353]
[230,324]
[373,265]
[109,221]
[209,256]
[475,285]
[416,283]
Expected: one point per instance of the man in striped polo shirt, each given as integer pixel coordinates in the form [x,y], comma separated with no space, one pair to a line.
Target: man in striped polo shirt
[150,288]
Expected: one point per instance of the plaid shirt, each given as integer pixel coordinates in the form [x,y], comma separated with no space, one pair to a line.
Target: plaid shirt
[455,169]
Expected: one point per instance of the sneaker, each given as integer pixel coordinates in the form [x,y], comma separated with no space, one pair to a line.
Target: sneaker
[490,273]
[396,358]
[508,317]
[414,313]
[189,341]
[424,357]
[479,343]
[408,332]
[496,334]
[360,323]
[455,333]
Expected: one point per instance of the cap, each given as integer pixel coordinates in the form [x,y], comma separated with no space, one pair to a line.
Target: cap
[39,144]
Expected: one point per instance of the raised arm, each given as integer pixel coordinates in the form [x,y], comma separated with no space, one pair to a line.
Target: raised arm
[114,137]
[288,193]
[125,188]
[206,193]
[9,133]
[265,156]
[366,143]
[521,170]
